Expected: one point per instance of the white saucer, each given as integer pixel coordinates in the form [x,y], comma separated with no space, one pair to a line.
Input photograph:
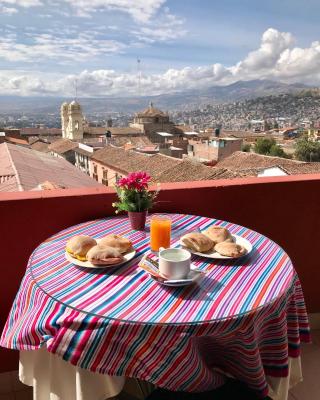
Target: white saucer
[192,277]
[214,254]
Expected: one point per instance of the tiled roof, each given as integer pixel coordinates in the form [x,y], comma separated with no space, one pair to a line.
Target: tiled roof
[62,146]
[29,168]
[193,171]
[250,164]
[14,140]
[151,112]
[241,134]
[40,131]
[95,130]
[126,161]
[125,130]
[139,141]
[162,168]
[40,146]
[242,160]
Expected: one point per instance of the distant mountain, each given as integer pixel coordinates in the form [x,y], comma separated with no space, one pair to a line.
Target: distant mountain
[190,99]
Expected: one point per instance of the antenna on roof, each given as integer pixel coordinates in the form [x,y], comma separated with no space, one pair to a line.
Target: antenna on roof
[75,88]
[139,76]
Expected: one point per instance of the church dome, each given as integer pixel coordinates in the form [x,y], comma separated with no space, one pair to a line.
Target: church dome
[151,112]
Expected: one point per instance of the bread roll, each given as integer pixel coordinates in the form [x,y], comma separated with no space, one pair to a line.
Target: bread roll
[116,241]
[106,255]
[78,246]
[230,249]
[197,242]
[218,234]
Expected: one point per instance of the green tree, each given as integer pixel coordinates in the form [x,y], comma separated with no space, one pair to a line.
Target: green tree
[246,147]
[307,150]
[263,145]
[269,147]
[277,151]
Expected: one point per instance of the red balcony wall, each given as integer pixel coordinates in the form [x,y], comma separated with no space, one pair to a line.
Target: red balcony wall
[285,208]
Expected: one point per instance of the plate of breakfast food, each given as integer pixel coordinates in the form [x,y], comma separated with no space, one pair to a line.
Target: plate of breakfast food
[109,251]
[216,242]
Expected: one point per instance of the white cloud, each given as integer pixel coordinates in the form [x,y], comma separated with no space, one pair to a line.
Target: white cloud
[8,10]
[276,58]
[163,28]
[140,10]
[23,3]
[76,48]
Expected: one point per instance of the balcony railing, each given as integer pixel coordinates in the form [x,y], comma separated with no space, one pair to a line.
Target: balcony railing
[284,208]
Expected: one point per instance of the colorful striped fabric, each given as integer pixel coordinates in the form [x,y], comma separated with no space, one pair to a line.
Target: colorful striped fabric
[244,318]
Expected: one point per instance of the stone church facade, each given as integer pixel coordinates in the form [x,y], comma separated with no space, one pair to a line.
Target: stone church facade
[72,121]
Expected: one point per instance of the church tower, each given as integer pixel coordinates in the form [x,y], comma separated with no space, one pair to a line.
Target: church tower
[72,121]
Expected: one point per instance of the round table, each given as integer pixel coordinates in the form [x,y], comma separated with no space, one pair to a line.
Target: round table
[244,318]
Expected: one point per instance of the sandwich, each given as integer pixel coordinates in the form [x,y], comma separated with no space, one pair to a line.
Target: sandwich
[230,249]
[118,242]
[197,242]
[78,246]
[105,255]
[218,234]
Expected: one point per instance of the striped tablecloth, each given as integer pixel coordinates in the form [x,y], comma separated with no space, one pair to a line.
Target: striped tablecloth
[244,318]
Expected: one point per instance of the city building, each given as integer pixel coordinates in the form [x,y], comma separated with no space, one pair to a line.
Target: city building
[154,123]
[25,169]
[64,148]
[83,154]
[214,149]
[314,134]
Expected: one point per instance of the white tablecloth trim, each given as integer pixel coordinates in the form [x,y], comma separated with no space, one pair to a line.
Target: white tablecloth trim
[279,387]
[53,378]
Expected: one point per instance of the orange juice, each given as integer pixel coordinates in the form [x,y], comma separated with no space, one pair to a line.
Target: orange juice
[160,232]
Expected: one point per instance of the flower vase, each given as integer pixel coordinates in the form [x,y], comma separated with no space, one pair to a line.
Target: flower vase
[137,220]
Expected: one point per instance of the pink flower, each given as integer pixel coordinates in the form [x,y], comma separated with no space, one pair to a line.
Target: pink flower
[135,181]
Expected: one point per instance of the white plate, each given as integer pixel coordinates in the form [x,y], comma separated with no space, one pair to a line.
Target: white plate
[192,278]
[87,264]
[214,254]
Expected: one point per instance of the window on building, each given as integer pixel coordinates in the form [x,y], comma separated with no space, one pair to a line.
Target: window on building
[105,177]
[95,172]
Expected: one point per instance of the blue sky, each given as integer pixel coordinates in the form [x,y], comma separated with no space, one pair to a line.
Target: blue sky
[46,45]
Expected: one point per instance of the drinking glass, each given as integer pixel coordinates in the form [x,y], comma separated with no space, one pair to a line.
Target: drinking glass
[160,232]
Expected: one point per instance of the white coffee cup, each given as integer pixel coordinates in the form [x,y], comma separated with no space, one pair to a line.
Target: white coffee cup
[174,263]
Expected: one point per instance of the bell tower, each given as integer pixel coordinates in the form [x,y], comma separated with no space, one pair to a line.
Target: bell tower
[74,130]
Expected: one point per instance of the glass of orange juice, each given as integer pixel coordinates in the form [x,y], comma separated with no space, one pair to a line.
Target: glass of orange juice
[160,232]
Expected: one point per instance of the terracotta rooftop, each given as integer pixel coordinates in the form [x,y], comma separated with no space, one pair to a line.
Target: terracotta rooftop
[242,160]
[62,146]
[139,141]
[40,131]
[162,168]
[193,171]
[40,146]
[25,169]
[250,164]
[124,130]
[126,161]
[15,140]
[241,134]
